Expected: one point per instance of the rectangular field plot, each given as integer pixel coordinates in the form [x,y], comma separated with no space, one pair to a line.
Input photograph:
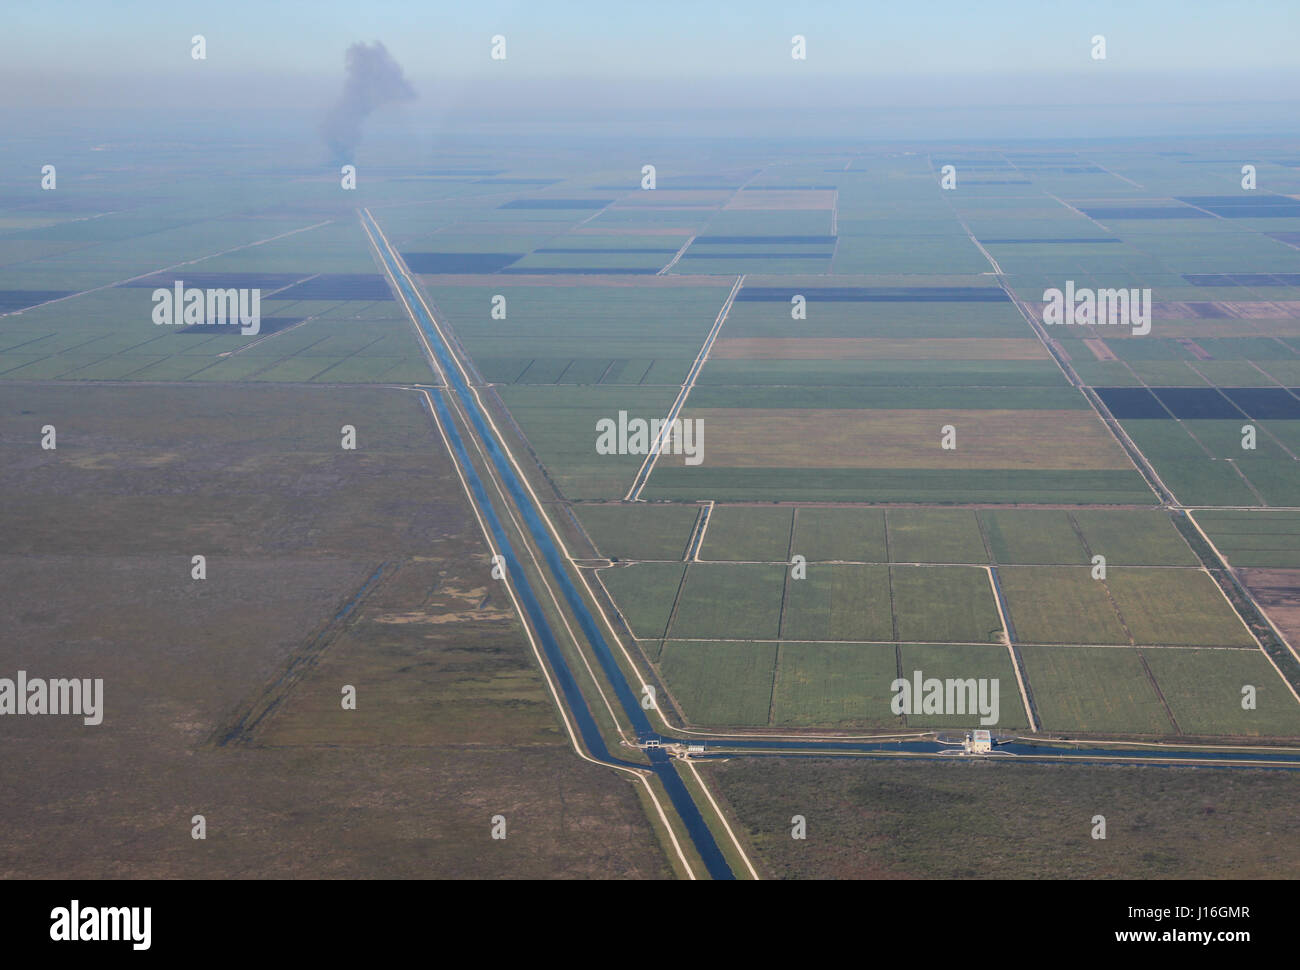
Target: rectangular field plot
[839,535]
[720,683]
[1060,604]
[1134,538]
[965,663]
[1175,606]
[798,393]
[560,425]
[581,321]
[1010,376]
[1264,539]
[729,601]
[1029,537]
[1194,476]
[839,602]
[934,535]
[878,348]
[835,685]
[645,593]
[789,483]
[944,604]
[747,534]
[883,438]
[1094,690]
[1204,690]
[834,319]
[639,531]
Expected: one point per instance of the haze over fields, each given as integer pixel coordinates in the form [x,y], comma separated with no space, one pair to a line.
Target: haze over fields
[572,441]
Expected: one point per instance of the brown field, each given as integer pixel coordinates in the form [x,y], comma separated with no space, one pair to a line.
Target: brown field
[1224,318]
[674,198]
[1099,349]
[1202,329]
[1195,349]
[222,697]
[879,348]
[810,438]
[968,819]
[1278,592]
[788,199]
[631,231]
[1261,310]
[1205,319]
[489,228]
[558,279]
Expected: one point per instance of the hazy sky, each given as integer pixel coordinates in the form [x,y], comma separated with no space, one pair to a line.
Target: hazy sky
[637,60]
[619,38]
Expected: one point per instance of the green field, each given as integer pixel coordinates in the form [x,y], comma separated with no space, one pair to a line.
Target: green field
[560,425]
[839,685]
[1093,690]
[934,535]
[963,663]
[1204,690]
[645,593]
[1262,539]
[720,683]
[939,604]
[839,535]
[1175,606]
[747,534]
[639,531]
[840,602]
[729,601]
[1134,538]
[1029,537]
[1059,604]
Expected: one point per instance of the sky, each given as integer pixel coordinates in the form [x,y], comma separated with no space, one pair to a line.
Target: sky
[644,59]
[620,39]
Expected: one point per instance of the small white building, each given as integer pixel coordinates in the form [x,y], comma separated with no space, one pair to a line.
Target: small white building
[978,742]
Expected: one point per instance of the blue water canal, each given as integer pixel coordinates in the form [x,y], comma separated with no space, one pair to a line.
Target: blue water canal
[661,764]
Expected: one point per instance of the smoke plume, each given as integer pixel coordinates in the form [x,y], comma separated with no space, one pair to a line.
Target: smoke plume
[374,79]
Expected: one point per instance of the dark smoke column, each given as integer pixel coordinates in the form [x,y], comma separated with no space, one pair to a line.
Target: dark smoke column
[374,80]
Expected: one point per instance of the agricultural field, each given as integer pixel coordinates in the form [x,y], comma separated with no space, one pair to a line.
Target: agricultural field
[902,468]
[577,297]
[844,684]
[1263,550]
[914,588]
[650,532]
[842,602]
[327,314]
[1262,539]
[1095,689]
[735,600]
[753,534]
